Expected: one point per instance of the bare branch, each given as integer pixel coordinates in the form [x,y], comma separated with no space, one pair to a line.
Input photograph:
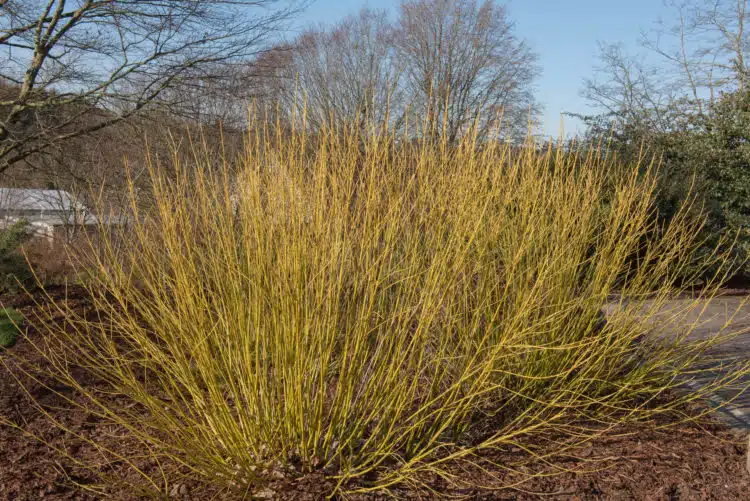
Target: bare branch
[464,62]
[71,68]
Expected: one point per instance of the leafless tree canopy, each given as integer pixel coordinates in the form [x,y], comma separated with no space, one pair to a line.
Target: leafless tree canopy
[440,63]
[685,65]
[462,61]
[624,86]
[347,72]
[706,48]
[69,68]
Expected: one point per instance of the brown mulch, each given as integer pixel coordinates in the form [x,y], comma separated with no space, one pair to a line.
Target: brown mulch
[684,462]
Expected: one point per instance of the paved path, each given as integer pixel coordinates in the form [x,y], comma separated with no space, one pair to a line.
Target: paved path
[711,317]
[711,320]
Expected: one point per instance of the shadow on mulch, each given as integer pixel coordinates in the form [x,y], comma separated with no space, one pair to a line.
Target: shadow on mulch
[684,462]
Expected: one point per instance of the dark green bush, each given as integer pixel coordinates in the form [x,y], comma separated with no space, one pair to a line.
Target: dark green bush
[14,270]
[9,321]
[706,157]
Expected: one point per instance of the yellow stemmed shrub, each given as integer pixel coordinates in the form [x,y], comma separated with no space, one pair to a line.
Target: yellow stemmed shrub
[379,309]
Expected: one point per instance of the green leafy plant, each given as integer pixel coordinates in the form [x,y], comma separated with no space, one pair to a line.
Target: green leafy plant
[703,158]
[14,269]
[10,319]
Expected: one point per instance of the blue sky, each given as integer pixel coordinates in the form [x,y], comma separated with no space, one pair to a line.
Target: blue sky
[564,33]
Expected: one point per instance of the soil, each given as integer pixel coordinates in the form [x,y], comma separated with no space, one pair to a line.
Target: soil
[693,461]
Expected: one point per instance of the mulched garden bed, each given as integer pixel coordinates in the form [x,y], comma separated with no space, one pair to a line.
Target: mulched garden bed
[684,462]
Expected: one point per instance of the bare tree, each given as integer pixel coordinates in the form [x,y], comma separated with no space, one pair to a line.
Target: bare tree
[628,90]
[463,62]
[705,46]
[69,68]
[689,60]
[214,94]
[347,73]
[273,82]
[223,93]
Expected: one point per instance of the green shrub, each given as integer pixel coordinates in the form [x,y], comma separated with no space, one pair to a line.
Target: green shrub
[703,157]
[14,269]
[9,321]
